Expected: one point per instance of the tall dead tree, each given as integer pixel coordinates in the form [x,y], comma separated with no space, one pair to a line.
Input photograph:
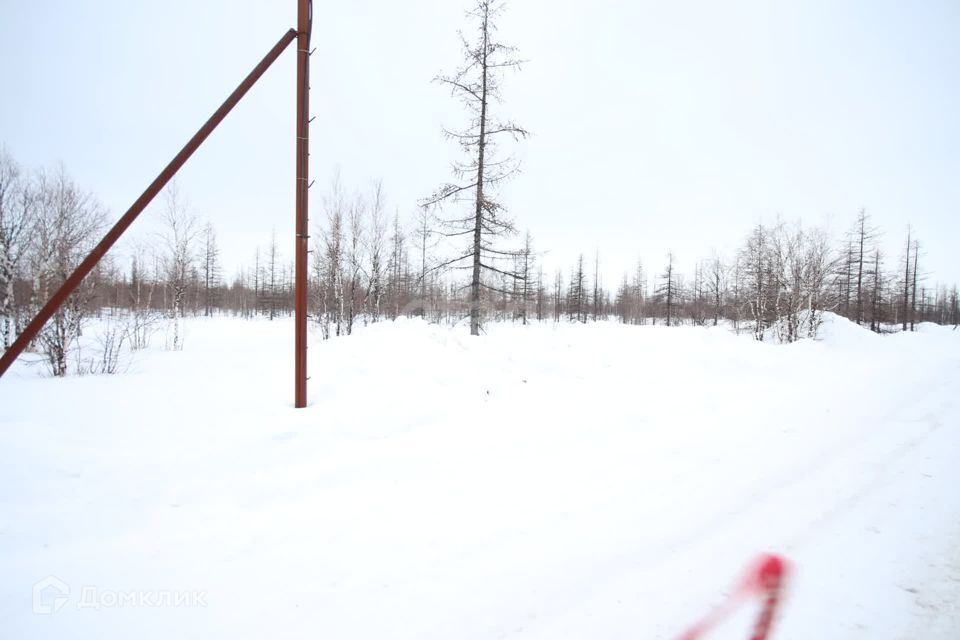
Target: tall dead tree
[736,291]
[845,279]
[639,293]
[477,85]
[211,268]
[913,286]
[862,234]
[541,295]
[954,317]
[396,268]
[557,295]
[905,302]
[424,235]
[270,279]
[716,283]
[596,286]
[876,291]
[667,290]
[526,290]
[576,293]
[698,297]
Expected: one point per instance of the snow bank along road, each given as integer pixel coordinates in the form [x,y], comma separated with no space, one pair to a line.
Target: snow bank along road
[537,482]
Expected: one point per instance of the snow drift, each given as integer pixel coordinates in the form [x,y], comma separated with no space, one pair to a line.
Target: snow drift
[550,481]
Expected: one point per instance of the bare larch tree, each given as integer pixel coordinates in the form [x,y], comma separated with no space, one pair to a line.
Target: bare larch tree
[211,268]
[576,292]
[863,234]
[477,84]
[905,302]
[667,290]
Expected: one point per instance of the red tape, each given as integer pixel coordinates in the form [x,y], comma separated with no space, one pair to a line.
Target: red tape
[764,578]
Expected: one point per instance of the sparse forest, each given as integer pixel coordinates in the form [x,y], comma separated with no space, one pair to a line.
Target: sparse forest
[456,256]
[370,268]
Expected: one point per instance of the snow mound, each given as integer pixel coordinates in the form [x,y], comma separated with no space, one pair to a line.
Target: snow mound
[839,331]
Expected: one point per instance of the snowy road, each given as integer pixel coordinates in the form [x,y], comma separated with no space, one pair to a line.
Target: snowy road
[539,482]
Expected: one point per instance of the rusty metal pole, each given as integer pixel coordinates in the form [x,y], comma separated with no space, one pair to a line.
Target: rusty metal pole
[75,278]
[304,27]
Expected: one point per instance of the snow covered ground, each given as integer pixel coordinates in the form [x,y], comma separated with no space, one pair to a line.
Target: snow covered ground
[549,482]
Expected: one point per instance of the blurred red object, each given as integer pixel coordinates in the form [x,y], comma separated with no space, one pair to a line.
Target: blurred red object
[764,578]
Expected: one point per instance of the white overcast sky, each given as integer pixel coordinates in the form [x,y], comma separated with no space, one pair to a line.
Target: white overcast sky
[669,125]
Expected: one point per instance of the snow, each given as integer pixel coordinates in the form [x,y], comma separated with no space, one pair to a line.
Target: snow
[551,481]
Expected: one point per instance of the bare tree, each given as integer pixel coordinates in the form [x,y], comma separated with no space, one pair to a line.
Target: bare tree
[954,317]
[576,293]
[541,295]
[378,232]
[334,254]
[179,240]
[319,288]
[698,297]
[211,267]
[716,286]
[875,292]
[257,280]
[68,222]
[913,287]
[354,286]
[596,286]
[905,302]
[271,276]
[423,233]
[667,291]
[639,294]
[557,296]
[143,320]
[845,278]
[863,234]
[526,290]
[787,280]
[755,258]
[819,267]
[477,85]
[736,291]
[18,202]
[786,271]
[397,267]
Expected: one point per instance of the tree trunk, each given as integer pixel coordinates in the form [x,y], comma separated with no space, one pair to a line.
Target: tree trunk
[478,214]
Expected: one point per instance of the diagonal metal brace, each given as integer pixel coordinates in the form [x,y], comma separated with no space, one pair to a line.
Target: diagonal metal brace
[75,278]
